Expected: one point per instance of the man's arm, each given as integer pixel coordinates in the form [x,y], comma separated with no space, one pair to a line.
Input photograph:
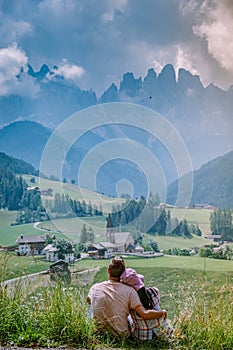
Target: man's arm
[150,314]
[88,299]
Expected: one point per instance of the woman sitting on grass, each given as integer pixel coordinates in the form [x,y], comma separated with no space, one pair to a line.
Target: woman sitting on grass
[141,328]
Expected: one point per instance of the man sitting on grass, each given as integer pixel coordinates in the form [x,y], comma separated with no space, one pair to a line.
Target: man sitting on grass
[111,302]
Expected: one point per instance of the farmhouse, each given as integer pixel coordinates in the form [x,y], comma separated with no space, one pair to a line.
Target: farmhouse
[139,249]
[30,245]
[46,192]
[215,238]
[204,206]
[43,192]
[101,250]
[52,254]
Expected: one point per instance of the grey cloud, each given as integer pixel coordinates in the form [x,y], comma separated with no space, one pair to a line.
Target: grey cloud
[109,37]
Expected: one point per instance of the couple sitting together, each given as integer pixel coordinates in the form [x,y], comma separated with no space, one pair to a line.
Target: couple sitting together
[125,307]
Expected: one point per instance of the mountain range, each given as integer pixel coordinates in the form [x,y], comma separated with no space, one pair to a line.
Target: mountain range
[201,115]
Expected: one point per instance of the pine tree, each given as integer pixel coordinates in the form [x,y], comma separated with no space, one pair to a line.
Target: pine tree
[90,235]
[83,237]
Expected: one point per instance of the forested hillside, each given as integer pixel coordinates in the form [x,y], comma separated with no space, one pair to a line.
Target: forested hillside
[213,183]
[17,166]
[12,187]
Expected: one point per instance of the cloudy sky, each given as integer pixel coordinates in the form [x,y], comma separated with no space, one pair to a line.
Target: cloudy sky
[94,42]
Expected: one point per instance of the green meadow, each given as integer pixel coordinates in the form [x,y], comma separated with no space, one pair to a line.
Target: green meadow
[73,191]
[12,266]
[194,216]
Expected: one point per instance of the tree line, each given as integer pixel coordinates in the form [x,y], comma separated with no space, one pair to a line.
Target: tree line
[31,208]
[221,223]
[12,186]
[147,216]
[66,206]
[11,189]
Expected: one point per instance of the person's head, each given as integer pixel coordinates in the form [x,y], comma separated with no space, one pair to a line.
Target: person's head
[116,267]
[132,278]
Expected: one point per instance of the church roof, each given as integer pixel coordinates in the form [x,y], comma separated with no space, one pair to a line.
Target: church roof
[122,237]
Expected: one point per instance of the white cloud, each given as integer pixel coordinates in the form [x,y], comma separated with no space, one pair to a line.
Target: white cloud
[184,60]
[157,65]
[217,29]
[69,71]
[13,66]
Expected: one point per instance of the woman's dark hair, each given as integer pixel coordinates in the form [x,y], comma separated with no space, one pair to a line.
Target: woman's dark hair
[116,266]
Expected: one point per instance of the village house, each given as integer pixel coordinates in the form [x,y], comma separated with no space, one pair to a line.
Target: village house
[204,206]
[101,250]
[139,249]
[43,192]
[215,238]
[31,245]
[52,254]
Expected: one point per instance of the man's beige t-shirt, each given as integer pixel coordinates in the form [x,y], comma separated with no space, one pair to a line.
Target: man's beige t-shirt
[111,303]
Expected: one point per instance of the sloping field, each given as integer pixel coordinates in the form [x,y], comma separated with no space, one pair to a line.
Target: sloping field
[73,191]
[169,242]
[194,216]
[72,227]
[7,217]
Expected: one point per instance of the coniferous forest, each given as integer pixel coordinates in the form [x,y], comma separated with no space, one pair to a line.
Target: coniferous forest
[148,216]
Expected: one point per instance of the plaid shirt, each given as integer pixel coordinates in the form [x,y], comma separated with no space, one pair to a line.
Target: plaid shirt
[146,329]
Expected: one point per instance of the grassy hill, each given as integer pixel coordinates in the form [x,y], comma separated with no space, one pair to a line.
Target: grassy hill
[194,216]
[74,192]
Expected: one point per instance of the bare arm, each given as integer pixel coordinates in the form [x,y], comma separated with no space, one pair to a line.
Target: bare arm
[88,300]
[150,314]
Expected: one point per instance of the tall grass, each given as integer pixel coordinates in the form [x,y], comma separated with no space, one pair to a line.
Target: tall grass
[53,316]
[59,316]
[206,321]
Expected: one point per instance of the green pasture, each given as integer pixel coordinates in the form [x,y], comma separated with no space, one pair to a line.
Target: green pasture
[194,216]
[167,261]
[7,217]
[9,234]
[71,227]
[170,242]
[74,192]
[12,265]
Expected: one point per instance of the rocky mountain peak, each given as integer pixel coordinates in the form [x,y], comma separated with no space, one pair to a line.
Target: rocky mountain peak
[41,74]
[188,80]
[167,75]
[110,95]
[130,86]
